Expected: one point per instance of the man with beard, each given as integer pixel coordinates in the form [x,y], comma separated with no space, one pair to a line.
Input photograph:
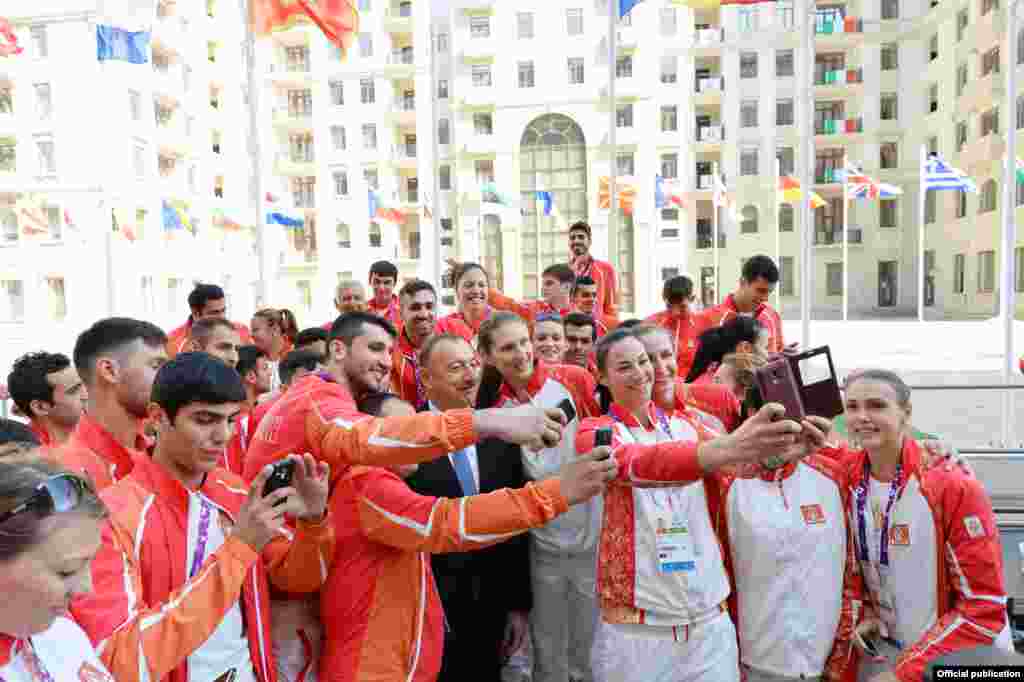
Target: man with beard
[418,301]
[485,594]
[580,337]
[48,390]
[585,265]
[117,358]
[215,336]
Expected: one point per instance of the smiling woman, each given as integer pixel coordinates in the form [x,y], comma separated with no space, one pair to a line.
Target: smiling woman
[49,532]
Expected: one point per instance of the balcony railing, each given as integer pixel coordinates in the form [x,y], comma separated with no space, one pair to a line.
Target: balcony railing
[705,181]
[711,84]
[707,36]
[826,176]
[834,236]
[304,199]
[839,126]
[401,57]
[713,133]
[838,76]
[832,25]
[706,241]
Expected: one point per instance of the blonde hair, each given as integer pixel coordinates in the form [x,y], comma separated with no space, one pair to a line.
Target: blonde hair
[744,366]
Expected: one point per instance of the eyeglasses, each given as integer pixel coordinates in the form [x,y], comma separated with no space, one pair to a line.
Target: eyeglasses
[57,494]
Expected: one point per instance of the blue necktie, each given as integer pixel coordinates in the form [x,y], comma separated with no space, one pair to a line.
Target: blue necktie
[463,469]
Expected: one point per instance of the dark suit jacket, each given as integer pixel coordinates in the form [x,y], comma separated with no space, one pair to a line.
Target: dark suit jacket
[478,589]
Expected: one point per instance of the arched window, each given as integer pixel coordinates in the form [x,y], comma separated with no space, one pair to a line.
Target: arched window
[748,222]
[989,197]
[785,217]
[344,235]
[375,236]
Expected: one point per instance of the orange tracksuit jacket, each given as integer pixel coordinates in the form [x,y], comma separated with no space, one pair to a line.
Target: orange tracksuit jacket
[725,311]
[178,337]
[683,329]
[382,616]
[146,616]
[93,451]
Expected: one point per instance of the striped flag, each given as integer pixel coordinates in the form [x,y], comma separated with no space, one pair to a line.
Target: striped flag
[383,211]
[8,40]
[625,188]
[722,199]
[31,216]
[861,186]
[790,192]
[337,19]
[667,193]
[939,175]
[1020,170]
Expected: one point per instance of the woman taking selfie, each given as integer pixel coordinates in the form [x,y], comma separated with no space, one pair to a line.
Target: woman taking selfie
[926,541]
[49,532]
[738,335]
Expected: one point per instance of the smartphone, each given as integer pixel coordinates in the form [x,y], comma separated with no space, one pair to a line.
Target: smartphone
[566,407]
[870,647]
[280,477]
[777,384]
[603,437]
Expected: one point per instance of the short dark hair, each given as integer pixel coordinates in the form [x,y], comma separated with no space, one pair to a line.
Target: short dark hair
[348,327]
[295,360]
[27,380]
[609,340]
[436,340]
[414,286]
[631,322]
[12,431]
[308,337]
[109,335]
[203,294]
[248,358]
[560,271]
[196,378]
[578,319]
[580,226]
[760,266]
[201,330]
[462,269]
[383,268]
[679,286]
[584,281]
[373,402]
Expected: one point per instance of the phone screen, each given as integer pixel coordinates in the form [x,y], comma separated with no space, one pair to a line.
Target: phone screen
[602,437]
[814,369]
[566,407]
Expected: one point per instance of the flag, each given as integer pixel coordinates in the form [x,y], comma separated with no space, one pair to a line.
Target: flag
[124,225]
[939,175]
[8,40]
[123,30]
[625,187]
[1020,170]
[278,218]
[69,222]
[626,5]
[667,193]
[31,216]
[721,199]
[789,191]
[547,201]
[272,198]
[221,220]
[382,211]
[489,194]
[171,219]
[338,19]
[861,186]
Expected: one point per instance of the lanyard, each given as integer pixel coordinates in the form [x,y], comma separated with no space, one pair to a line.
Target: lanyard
[204,536]
[862,532]
[421,393]
[662,420]
[35,665]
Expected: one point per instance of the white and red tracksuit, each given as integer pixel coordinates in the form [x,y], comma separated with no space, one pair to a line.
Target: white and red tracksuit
[664,611]
[943,575]
[562,554]
[62,653]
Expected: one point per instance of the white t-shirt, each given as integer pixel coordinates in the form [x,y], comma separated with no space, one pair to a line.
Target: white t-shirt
[63,651]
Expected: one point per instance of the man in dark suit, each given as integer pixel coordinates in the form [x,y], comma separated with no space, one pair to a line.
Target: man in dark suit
[486,594]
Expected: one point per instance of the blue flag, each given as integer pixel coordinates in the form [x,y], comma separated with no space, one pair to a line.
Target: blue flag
[547,200]
[119,44]
[277,218]
[626,5]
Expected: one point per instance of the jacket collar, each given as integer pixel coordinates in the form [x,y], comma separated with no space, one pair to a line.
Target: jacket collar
[158,480]
[41,433]
[629,420]
[96,437]
[405,346]
[730,302]
[8,648]
[910,460]
[780,474]
[541,371]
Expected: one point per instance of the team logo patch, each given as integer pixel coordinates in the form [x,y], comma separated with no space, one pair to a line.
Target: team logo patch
[813,514]
[975,528]
[90,673]
[900,535]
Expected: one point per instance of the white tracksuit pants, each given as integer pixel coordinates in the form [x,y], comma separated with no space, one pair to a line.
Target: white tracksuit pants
[564,614]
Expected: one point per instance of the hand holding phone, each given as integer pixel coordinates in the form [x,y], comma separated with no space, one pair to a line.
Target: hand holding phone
[280,477]
[568,410]
[603,437]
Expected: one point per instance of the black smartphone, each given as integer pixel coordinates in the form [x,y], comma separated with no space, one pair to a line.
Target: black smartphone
[566,407]
[280,477]
[603,436]
[870,646]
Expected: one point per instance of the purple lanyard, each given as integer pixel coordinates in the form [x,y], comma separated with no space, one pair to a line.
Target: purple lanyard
[421,393]
[204,536]
[662,419]
[35,665]
[862,531]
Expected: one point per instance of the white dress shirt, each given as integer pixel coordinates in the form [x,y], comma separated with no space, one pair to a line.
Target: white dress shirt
[474,465]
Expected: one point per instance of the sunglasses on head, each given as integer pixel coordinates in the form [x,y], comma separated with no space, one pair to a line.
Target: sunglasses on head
[549,317]
[57,494]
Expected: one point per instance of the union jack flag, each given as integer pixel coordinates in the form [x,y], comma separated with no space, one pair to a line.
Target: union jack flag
[862,186]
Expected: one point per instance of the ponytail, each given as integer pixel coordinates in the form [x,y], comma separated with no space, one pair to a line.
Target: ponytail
[490,388]
[283,319]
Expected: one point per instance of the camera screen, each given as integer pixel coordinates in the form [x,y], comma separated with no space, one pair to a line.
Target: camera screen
[815,369]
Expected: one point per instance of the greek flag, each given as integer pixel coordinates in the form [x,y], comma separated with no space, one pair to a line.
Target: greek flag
[939,175]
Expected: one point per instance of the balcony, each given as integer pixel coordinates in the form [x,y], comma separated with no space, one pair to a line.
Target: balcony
[299,252]
[398,18]
[168,86]
[171,139]
[305,199]
[834,236]
[838,130]
[291,74]
[980,155]
[474,5]
[626,88]
[705,183]
[708,38]
[827,176]
[169,33]
[404,157]
[986,31]
[478,49]
[706,241]
[981,93]
[293,119]
[298,165]
[403,111]
[478,97]
[400,63]
[837,31]
[479,145]
[709,138]
[709,90]
[838,81]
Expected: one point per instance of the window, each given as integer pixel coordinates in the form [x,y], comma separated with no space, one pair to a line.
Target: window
[624,67]
[304,192]
[480,26]
[211,51]
[338,138]
[784,63]
[888,155]
[960,135]
[890,54]
[575,70]
[670,215]
[959,270]
[962,19]
[1020,112]
[337,93]
[1020,46]
[834,279]
[670,166]
[786,218]
[525,72]
[483,170]
[135,105]
[9,223]
[483,123]
[747,19]
[668,22]
[990,122]
[669,118]
[748,113]
[988,5]
[989,197]
[444,177]
[44,101]
[524,25]
[748,161]
[784,112]
[442,88]
[784,14]
[6,100]
[365,45]
[961,79]
[40,44]
[748,65]
[748,220]
[624,164]
[13,300]
[192,179]
[986,272]
[369,136]
[8,155]
[341,183]
[375,236]
[1019,193]
[887,213]
[442,42]
[933,47]
[932,101]
[481,75]
[624,116]
[786,276]
[372,178]
[929,207]
[990,62]
[961,204]
[574,22]
[932,144]
[367,91]
[890,9]
[47,160]
[889,106]
[786,159]
[444,131]
[669,69]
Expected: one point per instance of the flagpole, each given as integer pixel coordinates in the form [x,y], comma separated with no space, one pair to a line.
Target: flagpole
[778,236]
[714,232]
[846,238]
[613,218]
[807,138]
[263,286]
[920,238]
[1008,300]
[436,151]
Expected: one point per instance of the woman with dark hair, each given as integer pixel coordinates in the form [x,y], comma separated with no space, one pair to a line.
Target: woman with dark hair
[273,332]
[739,335]
[470,282]
[50,522]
